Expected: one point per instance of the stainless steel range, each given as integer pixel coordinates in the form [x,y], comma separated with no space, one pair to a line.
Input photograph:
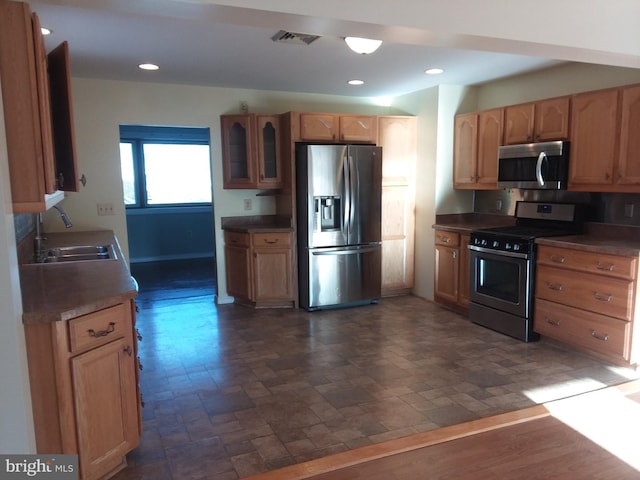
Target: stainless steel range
[502,262]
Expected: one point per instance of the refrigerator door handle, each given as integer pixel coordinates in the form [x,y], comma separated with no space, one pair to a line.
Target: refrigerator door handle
[353,178]
[347,194]
[346,250]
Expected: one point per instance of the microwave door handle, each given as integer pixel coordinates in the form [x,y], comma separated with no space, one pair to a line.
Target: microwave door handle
[541,158]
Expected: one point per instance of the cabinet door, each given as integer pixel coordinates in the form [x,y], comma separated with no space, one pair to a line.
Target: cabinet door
[629,157]
[397,239]
[489,139]
[594,136]
[237,151]
[398,138]
[361,129]
[238,273]
[319,127]
[272,274]
[447,271]
[465,150]
[62,118]
[25,101]
[552,119]
[464,272]
[519,120]
[105,399]
[269,153]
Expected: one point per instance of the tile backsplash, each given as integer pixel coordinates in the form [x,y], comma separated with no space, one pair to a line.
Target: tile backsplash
[614,208]
[24,224]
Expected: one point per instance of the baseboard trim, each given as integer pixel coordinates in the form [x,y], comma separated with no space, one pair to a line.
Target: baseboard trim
[163,258]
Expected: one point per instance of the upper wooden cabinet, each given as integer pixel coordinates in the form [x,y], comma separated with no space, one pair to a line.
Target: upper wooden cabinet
[540,121]
[35,88]
[329,127]
[477,137]
[251,154]
[360,129]
[594,137]
[628,168]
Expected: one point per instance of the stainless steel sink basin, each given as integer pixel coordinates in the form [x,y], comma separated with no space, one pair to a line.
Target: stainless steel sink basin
[79,253]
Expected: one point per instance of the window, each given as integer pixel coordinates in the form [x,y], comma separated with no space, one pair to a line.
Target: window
[165,166]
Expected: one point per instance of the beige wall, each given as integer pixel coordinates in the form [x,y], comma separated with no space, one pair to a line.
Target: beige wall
[100,106]
[553,82]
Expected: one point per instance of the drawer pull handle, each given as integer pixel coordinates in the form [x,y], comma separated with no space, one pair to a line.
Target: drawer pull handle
[608,268]
[602,298]
[595,334]
[444,239]
[555,286]
[270,242]
[102,333]
[555,323]
[128,350]
[557,258]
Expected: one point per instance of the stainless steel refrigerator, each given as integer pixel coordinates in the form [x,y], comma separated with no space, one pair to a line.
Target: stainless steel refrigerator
[338,214]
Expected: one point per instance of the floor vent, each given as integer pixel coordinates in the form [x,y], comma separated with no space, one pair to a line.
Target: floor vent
[295,38]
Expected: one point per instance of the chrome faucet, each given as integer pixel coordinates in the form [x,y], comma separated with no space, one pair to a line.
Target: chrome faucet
[64,217]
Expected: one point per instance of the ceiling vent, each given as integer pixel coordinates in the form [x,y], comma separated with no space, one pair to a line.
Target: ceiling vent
[294,38]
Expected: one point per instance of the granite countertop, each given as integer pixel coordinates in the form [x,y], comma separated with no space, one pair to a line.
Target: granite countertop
[258,223]
[465,222]
[61,291]
[610,239]
[597,237]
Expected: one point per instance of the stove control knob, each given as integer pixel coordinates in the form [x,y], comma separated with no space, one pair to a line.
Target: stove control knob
[496,244]
[507,246]
[516,247]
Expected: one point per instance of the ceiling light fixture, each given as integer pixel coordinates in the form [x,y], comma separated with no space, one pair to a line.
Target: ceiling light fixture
[363,46]
[434,71]
[148,66]
[45,31]
[356,82]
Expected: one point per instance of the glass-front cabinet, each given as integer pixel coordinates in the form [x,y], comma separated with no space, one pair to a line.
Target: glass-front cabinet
[251,151]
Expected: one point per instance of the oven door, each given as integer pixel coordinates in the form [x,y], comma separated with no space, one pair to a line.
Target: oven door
[501,280]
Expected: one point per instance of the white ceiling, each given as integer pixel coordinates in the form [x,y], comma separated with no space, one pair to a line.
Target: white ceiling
[228,43]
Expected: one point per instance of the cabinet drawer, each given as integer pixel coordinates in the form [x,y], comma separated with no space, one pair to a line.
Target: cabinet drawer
[100,327]
[450,239]
[595,332]
[236,238]
[273,239]
[605,295]
[600,263]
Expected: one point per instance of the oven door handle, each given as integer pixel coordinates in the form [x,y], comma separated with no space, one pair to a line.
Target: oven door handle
[500,253]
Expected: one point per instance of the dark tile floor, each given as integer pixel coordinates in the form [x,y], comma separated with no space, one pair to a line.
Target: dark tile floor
[231,391]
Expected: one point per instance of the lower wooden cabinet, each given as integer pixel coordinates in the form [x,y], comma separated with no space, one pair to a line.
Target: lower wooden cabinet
[451,269]
[259,268]
[83,376]
[587,300]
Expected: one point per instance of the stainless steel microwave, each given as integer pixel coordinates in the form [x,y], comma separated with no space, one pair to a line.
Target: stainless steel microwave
[540,166]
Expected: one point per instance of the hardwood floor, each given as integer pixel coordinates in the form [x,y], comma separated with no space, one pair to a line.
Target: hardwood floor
[535,443]
[232,392]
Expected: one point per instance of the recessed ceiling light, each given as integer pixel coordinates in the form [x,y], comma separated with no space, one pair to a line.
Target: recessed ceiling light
[434,71]
[45,31]
[356,82]
[148,66]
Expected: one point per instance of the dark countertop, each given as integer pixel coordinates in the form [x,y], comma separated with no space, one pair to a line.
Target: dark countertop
[257,223]
[61,291]
[611,239]
[465,222]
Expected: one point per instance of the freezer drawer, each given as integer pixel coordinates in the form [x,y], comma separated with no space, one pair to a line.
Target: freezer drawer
[340,276]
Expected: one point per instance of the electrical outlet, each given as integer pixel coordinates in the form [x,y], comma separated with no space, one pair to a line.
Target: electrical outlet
[247,204]
[105,209]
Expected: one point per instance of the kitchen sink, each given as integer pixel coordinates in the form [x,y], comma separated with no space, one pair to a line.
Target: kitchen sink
[78,253]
